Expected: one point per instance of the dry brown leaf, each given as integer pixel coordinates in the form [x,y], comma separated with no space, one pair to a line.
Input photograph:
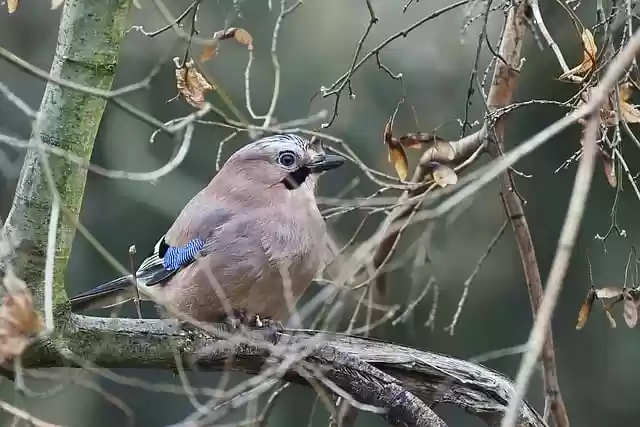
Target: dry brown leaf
[628,111]
[630,312]
[610,171]
[585,310]
[19,321]
[191,83]
[398,158]
[589,55]
[396,155]
[608,292]
[240,35]
[208,53]
[612,321]
[444,175]
[12,5]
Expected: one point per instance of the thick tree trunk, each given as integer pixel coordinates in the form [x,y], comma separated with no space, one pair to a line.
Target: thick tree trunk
[89,39]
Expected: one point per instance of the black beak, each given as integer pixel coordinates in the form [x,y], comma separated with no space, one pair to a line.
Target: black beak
[325,162]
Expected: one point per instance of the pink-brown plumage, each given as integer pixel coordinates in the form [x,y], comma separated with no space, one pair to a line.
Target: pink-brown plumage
[264,241]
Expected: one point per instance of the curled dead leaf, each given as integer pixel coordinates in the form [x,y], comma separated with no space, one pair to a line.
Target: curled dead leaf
[19,320]
[630,312]
[396,155]
[589,58]
[398,158]
[608,292]
[208,53]
[444,175]
[628,111]
[585,309]
[612,321]
[12,5]
[240,35]
[243,36]
[610,171]
[191,83]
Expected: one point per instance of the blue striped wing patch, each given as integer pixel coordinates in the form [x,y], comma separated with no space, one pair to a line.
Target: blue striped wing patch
[179,256]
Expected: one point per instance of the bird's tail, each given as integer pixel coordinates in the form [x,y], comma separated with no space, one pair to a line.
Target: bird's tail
[110,294]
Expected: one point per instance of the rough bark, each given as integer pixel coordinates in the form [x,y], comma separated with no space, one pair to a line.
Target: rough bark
[152,344]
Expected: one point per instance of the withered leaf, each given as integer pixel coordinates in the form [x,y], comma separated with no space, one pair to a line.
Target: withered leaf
[610,171]
[19,320]
[612,321]
[240,35]
[396,155]
[589,55]
[12,5]
[191,83]
[398,158]
[585,310]
[630,312]
[608,292]
[444,175]
[208,53]
[629,112]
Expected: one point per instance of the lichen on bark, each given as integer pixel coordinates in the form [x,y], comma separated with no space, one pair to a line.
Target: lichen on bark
[89,39]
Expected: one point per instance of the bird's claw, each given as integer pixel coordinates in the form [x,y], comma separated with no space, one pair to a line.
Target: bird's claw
[269,328]
[240,322]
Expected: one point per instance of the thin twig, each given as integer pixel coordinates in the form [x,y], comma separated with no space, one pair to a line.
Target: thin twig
[474,273]
[535,7]
[24,415]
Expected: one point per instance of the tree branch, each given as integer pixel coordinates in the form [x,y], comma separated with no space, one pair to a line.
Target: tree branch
[343,359]
[87,53]
[500,96]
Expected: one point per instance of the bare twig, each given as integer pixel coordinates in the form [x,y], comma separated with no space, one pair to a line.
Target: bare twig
[110,95]
[467,283]
[24,415]
[535,7]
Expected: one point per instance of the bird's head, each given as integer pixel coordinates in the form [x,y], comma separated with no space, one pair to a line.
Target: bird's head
[286,160]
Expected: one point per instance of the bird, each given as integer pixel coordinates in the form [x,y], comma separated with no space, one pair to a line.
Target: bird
[244,247]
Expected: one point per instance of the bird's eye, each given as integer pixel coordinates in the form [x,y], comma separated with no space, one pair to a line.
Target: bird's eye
[286,159]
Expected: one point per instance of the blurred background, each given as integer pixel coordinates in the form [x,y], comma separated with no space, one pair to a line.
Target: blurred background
[596,366]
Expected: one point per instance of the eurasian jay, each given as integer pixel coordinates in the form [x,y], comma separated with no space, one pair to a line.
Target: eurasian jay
[250,241]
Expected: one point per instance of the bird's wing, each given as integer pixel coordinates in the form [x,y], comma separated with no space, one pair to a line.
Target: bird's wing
[167,260]
[176,249]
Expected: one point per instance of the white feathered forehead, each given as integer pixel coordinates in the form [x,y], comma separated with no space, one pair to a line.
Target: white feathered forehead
[275,143]
[286,137]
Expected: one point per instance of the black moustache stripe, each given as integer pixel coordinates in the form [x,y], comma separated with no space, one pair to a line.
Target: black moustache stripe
[296,178]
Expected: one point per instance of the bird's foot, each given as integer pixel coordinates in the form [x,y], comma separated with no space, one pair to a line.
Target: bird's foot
[243,323]
[236,320]
[269,328]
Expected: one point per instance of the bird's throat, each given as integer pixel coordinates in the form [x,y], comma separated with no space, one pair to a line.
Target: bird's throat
[296,178]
